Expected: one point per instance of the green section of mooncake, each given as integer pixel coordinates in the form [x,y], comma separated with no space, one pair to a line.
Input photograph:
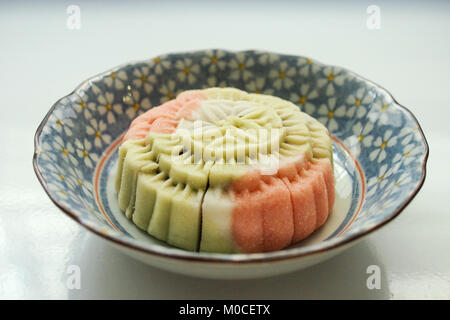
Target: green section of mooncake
[166,209]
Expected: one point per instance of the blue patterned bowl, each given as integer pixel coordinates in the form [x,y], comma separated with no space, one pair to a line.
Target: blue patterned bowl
[380,151]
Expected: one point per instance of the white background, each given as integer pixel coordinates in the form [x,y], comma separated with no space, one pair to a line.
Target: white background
[41,60]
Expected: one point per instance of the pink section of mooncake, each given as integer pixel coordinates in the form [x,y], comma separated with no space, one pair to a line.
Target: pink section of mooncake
[249,182]
[164,125]
[312,194]
[164,118]
[247,221]
[271,212]
[325,167]
[320,194]
[262,219]
[277,213]
[303,206]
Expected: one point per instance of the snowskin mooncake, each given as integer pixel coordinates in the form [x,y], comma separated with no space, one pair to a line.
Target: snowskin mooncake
[223,170]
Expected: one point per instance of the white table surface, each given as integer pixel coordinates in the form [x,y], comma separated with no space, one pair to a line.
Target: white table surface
[41,60]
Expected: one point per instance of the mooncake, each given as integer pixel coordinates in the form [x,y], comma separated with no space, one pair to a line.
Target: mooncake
[222,170]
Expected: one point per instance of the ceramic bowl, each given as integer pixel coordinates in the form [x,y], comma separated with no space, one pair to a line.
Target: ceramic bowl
[380,151]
